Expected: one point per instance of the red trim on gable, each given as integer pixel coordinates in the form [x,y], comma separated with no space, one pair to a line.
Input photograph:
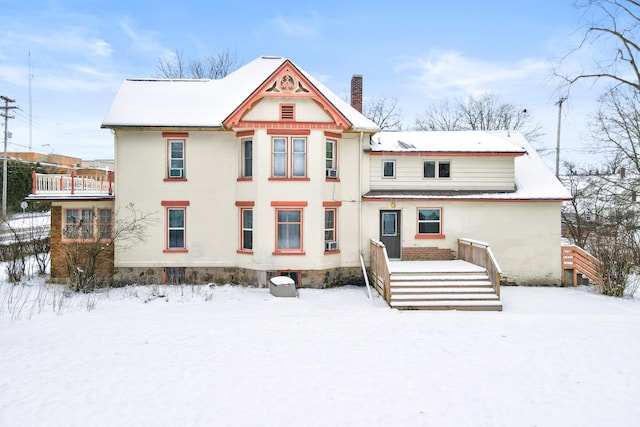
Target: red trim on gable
[175,203]
[245,204]
[289,204]
[288,125]
[444,154]
[332,135]
[265,91]
[294,132]
[245,133]
[332,204]
[175,134]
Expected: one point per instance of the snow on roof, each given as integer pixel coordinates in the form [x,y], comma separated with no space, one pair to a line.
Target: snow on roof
[533,179]
[204,102]
[444,141]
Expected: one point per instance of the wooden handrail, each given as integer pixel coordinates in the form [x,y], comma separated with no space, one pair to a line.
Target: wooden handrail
[480,253]
[380,268]
[581,262]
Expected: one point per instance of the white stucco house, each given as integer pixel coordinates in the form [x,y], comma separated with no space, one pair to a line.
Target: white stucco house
[267,172]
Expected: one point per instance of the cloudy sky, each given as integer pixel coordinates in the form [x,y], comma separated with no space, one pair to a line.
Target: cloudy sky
[420,52]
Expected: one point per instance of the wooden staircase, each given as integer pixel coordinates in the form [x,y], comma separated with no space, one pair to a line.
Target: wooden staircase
[442,289]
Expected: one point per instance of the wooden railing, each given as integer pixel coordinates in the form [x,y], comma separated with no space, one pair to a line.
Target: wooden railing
[380,268]
[479,253]
[581,262]
[72,183]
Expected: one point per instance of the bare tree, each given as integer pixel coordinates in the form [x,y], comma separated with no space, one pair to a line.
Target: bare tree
[89,258]
[213,66]
[384,113]
[485,112]
[614,24]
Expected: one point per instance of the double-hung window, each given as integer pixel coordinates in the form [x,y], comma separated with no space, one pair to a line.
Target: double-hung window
[429,222]
[246,239]
[176,228]
[105,223]
[437,169]
[247,158]
[288,227]
[289,157]
[176,225]
[176,158]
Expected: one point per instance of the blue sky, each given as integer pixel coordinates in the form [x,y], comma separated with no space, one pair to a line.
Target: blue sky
[420,52]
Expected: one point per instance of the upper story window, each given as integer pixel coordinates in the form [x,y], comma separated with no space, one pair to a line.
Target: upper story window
[437,169]
[289,157]
[176,158]
[388,168]
[247,158]
[331,159]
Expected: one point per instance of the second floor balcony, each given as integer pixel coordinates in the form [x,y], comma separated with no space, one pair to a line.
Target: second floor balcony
[95,185]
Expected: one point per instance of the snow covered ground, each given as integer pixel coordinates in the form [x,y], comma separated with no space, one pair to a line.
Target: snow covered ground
[233,356]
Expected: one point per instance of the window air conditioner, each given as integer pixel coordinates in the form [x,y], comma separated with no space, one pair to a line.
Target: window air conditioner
[332,173]
[330,245]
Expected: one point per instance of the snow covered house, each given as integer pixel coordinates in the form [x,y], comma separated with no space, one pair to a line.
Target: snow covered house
[267,172]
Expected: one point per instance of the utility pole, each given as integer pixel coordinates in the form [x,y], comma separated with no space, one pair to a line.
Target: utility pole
[6,116]
[559,104]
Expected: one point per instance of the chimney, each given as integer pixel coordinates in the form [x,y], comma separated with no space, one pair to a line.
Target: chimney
[356,92]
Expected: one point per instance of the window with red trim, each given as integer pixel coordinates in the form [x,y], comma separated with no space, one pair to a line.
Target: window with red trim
[246,233]
[288,230]
[176,228]
[330,229]
[289,157]
[175,158]
[331,162]
[429,221]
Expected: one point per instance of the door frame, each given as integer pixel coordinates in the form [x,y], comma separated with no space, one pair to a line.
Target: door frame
[393,243]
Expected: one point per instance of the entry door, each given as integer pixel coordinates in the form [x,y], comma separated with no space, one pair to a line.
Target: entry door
[390,232]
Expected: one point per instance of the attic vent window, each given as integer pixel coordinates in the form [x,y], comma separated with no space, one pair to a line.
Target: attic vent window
[287,112]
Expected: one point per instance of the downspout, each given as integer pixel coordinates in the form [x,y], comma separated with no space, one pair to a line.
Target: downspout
[360,194]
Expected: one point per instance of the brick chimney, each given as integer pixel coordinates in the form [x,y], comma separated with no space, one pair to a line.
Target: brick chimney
[356,92]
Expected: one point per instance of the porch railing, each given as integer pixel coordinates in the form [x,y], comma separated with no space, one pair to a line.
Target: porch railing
[72,183]
[380,268]
[581,262]
[479,253]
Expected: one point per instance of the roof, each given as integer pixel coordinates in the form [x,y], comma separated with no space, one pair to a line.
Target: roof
[533,179]
[445,141]
[206,102]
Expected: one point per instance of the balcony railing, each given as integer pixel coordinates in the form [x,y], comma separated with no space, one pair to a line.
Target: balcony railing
[72,184]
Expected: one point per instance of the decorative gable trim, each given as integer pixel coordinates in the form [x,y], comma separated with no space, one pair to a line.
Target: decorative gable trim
[286,82]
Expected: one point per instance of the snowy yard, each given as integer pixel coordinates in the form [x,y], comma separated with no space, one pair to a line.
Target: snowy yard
[232,356]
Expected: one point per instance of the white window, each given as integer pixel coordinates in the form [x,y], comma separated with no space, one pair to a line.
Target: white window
[429,221]
[246,239]
[289,157]
[330,157]
[388,168]
[176,228]
[289,230]
[105,223]
[247,158]
[437,169]
[176,158]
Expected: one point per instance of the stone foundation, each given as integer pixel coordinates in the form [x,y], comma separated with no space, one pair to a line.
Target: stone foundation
[239,276]
[427,254]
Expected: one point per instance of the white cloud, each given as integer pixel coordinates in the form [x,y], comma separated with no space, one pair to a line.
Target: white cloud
[297,27]
[451,74]
[145,42]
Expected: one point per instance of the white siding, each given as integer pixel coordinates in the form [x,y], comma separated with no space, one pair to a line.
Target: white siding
[306,110]
[467,173]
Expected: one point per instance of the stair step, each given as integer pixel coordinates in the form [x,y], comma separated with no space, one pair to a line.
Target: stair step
[427,290]
[437,277]
[441,297]
[443,284]
[448,305]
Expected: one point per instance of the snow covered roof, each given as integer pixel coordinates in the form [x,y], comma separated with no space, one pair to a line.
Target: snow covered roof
[445,141]
[204,102]
[533,179]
